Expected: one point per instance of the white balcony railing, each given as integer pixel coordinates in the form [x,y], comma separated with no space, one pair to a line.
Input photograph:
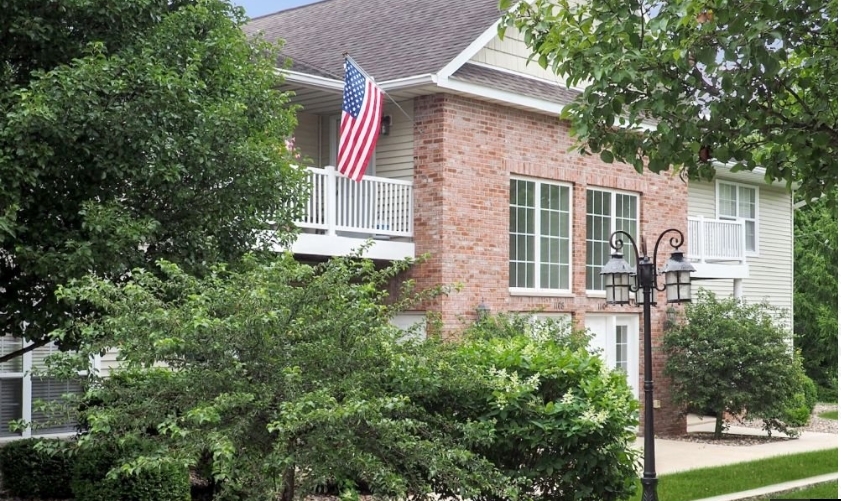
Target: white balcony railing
[375,206]
[716,240]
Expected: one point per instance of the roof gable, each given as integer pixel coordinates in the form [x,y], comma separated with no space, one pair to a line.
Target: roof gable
[389,39]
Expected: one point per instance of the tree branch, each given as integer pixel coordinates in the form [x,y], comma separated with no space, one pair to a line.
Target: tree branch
[37,344]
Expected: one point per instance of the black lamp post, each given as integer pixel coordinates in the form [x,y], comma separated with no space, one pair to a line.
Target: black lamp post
[620,281]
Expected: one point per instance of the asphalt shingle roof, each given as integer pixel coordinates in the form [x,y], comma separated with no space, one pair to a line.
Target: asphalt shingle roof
[390,39]
[525,86]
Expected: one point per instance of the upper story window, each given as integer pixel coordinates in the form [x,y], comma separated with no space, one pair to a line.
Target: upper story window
[20,389]
[738,202]
[540,227]
[608,211]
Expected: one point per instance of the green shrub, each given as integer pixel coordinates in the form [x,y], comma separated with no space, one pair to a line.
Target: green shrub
[810,392]
[91,480]
[36,472]
[797,412]
[558,421]
[828,393]
[732,357]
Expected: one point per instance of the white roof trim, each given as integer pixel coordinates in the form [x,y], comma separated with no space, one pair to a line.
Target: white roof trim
[469,52]
[402,83]
[536,104]
[311,80]
[339,85]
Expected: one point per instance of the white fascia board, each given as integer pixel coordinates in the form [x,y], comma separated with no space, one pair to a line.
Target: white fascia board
[403,83]
[541,105]
[469,52]
[311,80]
[332,84]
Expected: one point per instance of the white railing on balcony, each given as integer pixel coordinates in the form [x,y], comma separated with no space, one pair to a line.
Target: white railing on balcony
[375,206]
[716,240]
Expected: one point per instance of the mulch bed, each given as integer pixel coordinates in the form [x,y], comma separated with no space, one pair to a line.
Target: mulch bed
[706,437]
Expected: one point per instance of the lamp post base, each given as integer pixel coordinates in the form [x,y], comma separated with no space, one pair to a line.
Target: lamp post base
[649,489]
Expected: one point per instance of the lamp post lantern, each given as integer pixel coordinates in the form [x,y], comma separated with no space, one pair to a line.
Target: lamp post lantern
[620,281]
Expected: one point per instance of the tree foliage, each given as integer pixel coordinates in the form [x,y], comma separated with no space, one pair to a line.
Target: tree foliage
[746,83]
[733,358]
[816,289]
[282,378]
[131,131]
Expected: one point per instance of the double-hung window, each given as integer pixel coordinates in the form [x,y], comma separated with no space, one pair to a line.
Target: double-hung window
[540,227]
[608,211]
[737,202]
[20,389]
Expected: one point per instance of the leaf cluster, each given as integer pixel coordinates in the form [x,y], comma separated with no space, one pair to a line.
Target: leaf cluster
[283,379]
[132,131]
[687,84]
[816,289]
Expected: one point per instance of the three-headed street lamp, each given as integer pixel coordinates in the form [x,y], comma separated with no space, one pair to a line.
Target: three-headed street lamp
[620,279]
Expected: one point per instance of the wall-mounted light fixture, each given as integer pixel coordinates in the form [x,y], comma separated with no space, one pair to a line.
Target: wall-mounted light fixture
[482,311]
[385,125]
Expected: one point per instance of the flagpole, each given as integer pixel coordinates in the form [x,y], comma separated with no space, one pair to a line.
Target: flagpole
[352,60]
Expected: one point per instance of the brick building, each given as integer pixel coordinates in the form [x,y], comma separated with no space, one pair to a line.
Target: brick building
[474,168]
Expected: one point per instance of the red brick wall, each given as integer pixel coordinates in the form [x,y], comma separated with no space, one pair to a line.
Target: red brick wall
[465,152]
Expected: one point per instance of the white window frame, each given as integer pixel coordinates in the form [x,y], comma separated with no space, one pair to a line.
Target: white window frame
[755,218]
[25,376]
[613,193]
[542,291]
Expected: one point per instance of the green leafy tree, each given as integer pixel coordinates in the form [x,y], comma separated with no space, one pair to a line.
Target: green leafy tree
[278,377]
[733,358]
[282,379]
[131,131]
[816,289]
[747,82]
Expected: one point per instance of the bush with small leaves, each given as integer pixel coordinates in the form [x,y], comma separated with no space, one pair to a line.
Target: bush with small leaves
[98,476]
[733,358]
[558,422]
[36,468]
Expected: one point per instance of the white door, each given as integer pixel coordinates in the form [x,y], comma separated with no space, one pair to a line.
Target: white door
[617,338]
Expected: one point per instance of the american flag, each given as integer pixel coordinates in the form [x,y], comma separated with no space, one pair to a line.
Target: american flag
[362,108]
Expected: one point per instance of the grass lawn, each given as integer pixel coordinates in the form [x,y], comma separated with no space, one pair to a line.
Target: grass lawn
[828,490]
[708,482]
[829,415]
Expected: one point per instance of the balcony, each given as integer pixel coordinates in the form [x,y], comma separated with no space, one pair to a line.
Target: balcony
[342,214]
[717,248]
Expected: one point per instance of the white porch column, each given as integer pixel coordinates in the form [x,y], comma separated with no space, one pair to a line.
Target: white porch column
[737,288]
[330,205]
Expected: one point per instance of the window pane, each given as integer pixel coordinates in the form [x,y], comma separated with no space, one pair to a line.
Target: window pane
[622,348]
[521,233]
[598,231]
[747,202]
[11,399]
[727,200]
[750,236]
[50,390]
[9,344]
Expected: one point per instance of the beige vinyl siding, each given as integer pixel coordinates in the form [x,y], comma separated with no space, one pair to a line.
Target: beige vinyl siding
[771,275]
[395,152]
[107,362]
[511,53]
[306,138]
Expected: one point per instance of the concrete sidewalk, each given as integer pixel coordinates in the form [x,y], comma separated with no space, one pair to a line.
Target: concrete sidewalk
[676,455]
